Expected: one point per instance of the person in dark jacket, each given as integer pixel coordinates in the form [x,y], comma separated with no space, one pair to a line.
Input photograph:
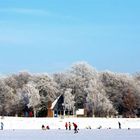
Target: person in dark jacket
[43,127]
[69,126]
[119,125]
[2,125]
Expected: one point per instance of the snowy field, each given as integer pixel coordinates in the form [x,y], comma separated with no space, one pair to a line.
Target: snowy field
[93,134]
[18,128]
[18,123]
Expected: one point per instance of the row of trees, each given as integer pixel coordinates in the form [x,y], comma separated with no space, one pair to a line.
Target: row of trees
[100,93]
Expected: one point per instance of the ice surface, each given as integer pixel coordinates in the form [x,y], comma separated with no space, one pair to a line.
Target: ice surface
[93,134]
[18,128]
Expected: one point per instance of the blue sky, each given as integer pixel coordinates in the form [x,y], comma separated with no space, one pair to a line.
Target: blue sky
[50,35]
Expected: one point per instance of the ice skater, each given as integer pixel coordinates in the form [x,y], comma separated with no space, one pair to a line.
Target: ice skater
[119,125]
[66,126]
[69,126]
[2,125]
[43,127]
[75,127]
[47,127]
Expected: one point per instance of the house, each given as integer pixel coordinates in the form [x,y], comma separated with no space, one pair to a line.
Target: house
[56,108]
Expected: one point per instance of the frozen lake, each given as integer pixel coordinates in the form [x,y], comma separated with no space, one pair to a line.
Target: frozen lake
[93,134]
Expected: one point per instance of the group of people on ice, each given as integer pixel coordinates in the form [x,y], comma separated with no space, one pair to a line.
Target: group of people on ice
[68,126]
[45,128]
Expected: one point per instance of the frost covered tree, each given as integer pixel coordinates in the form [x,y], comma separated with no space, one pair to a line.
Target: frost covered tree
[98,102]
[65,80]
[116,86]
[30,96]
[69,101]
[48,90]
[82,73]
[7,98]
[83,81]
[21,78]
[129,104]
[11,82]
[136,76]
[16,82]
[100,93]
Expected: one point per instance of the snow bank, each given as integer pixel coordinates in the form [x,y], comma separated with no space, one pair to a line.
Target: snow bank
[58,123]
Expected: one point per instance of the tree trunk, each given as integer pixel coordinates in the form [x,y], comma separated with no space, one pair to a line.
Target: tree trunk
[34,112]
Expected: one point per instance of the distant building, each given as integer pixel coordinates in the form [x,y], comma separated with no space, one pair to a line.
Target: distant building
[80,113]
[56,108]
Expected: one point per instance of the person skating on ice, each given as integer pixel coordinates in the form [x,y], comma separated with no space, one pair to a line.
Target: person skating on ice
[75,127]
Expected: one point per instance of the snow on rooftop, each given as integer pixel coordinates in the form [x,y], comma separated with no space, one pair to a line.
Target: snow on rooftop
[55,102]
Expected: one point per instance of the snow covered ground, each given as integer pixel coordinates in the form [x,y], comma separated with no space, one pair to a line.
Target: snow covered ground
[58,123]
[84,134]
[16,128]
